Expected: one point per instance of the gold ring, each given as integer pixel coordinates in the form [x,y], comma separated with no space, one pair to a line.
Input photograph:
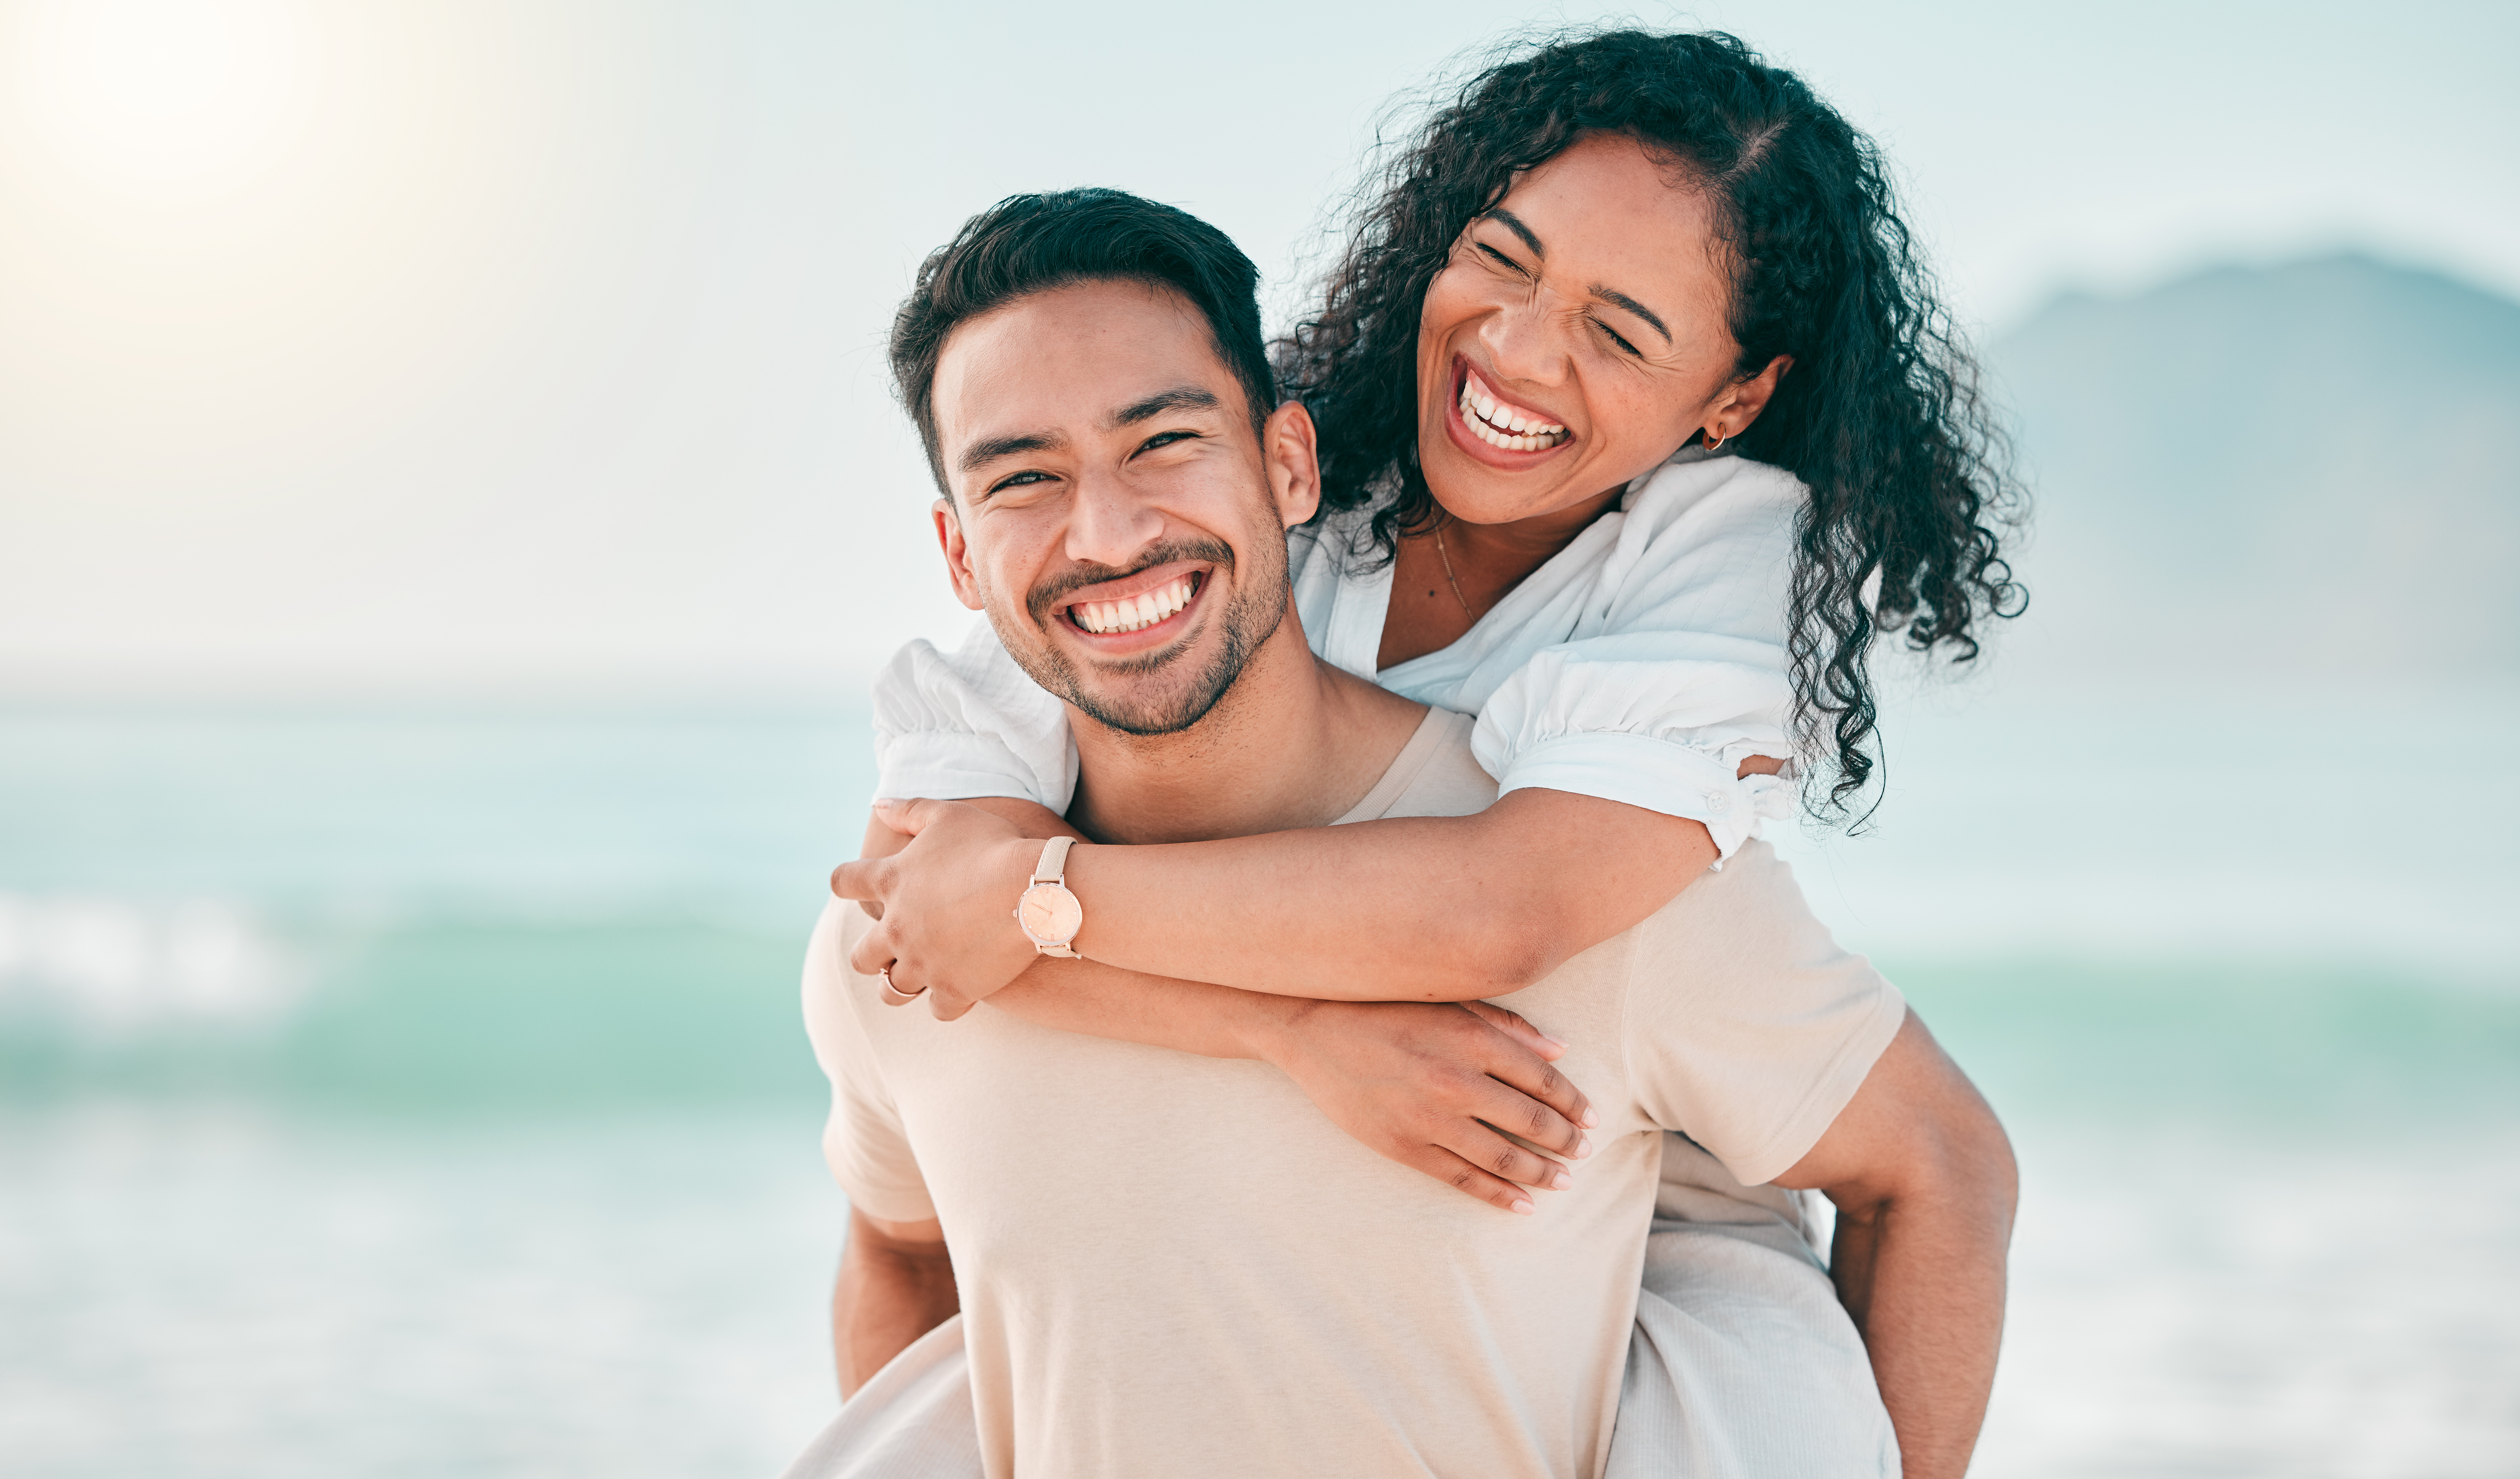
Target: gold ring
[894,996]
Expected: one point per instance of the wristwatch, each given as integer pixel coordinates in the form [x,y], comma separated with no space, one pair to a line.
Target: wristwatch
[1048,914]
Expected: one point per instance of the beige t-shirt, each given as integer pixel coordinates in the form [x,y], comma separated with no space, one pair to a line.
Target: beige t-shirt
[1176,1266]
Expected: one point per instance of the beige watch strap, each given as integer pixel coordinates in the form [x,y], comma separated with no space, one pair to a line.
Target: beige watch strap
[1053,866]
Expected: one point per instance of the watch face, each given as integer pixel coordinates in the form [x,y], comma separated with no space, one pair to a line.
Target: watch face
[1051,913]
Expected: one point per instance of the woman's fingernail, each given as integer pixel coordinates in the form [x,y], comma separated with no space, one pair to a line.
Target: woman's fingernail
[1552,1037]
[1560,1181]
[1592,1118]
[1583,1146]
[1522,1204]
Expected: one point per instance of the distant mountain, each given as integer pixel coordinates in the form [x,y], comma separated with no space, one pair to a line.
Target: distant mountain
[2289,469]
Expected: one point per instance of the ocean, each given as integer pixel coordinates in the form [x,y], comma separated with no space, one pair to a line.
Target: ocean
[403,1092]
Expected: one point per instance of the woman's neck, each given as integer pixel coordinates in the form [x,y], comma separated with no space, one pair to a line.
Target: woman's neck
[1512,550]
[1444,578]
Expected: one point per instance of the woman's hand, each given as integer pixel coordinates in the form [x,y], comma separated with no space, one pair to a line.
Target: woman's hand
[1430,1084]
[946,898]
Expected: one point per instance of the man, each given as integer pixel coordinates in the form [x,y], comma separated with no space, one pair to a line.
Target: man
[1166,1264]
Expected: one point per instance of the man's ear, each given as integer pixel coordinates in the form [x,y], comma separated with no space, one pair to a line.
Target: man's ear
[1290,448]
[958,553]
[1740,404]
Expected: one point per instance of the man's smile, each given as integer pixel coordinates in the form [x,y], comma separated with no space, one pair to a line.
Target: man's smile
[1138,610]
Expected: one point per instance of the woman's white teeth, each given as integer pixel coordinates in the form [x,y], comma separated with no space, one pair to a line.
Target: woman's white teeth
[1501,425]
[1132,613]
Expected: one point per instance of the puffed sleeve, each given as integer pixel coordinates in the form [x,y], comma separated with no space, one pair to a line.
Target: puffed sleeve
[970,723]
[1677,669]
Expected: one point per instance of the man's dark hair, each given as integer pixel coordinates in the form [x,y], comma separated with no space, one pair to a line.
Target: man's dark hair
[1031,243]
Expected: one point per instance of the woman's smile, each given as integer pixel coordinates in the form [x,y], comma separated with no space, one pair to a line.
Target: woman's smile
[1503,424]
[1498,433]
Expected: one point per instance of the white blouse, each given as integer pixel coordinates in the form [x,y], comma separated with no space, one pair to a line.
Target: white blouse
[1643,663]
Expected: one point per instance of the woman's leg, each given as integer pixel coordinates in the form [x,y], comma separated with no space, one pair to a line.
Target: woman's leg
[1742,1364]
[912,1421]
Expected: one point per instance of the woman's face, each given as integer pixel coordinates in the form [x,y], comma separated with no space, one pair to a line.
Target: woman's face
[1576,337]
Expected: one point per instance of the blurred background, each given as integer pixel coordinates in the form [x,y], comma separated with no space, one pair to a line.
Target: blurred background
[450,506]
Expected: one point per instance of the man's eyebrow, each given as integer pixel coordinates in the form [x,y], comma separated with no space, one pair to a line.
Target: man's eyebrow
[1514,223]
[1178,398]
[982,453]
[1633,306]
[988,450]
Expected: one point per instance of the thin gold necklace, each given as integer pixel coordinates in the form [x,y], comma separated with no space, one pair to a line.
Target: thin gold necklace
[1447,559]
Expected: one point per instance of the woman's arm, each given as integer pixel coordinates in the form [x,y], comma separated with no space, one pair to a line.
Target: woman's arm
[1427,1085]
[1674,704]
[1432,908]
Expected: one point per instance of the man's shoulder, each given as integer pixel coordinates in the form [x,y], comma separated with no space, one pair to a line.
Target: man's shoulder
[1741,929]
[832,1020]
[839,999]
[1434,774]
[841,924]
[1752,892]
[1742,944]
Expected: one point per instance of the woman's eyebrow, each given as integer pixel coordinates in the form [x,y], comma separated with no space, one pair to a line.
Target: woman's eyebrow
[1633,306]
[1531,239]
[1514,223]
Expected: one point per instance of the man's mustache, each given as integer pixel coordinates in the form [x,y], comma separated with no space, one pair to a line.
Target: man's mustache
[1048,596]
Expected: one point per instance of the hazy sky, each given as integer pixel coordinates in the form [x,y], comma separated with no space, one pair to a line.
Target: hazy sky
[533,349]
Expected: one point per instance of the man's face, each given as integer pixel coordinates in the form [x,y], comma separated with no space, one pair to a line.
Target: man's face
[1112,510]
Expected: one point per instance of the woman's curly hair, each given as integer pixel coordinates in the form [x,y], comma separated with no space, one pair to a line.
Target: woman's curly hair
[1880,417]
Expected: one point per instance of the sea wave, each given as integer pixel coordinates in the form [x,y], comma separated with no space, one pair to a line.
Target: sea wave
[117,967]
[435,1011]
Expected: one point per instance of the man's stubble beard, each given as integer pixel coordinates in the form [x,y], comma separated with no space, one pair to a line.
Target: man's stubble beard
[1249,618]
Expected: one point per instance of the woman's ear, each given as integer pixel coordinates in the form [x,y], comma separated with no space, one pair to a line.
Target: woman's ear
[1289,447]
[958,553]
[1741,402]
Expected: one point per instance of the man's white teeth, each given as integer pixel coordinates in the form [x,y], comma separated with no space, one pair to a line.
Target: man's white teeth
[1132,613]
[1501,425]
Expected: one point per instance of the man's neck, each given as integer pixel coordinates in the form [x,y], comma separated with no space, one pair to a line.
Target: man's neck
[1294,743]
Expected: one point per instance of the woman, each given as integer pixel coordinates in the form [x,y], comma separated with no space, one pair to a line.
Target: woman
[1603,251]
